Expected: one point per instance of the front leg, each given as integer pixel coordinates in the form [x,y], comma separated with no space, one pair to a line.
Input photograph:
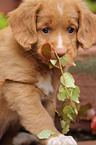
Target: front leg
[25,100]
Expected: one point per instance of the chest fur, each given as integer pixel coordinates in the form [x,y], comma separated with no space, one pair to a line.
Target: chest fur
[45,84]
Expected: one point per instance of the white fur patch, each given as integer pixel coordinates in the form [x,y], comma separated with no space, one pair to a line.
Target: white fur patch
[60,9]
[60,49]
[45,84]
[60,42]
[62,140]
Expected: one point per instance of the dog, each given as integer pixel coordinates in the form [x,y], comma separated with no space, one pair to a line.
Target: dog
[24,70]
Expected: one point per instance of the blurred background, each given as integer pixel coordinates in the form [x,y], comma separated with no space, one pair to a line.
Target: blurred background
[5,7]
[8,5]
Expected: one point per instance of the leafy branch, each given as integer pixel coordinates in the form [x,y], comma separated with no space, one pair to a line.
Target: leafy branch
[68,91]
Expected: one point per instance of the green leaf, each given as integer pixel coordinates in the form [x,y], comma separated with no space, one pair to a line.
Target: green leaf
[65,117]
[51,65]
[62,106]
[61,88]
[71,116]
[75,94]
[66,127]
[68,80]
[78,107]
[74,107]
[45,134]
[63,123]
[67,60]
[69,92]
[68,110]
[62,96]
[53,61]
[46,51]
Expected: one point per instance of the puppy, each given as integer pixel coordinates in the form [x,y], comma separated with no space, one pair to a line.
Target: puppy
[24,70]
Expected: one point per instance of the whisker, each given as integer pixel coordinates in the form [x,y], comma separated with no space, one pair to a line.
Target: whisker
[32,54]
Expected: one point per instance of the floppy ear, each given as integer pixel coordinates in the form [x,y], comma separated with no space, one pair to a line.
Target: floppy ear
[87,27]
[23,23]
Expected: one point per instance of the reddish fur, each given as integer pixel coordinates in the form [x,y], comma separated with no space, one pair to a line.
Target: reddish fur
[21,58]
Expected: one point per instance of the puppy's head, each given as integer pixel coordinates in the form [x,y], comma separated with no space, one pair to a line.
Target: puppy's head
[64,24]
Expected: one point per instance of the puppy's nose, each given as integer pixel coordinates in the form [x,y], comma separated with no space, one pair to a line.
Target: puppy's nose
[61,51]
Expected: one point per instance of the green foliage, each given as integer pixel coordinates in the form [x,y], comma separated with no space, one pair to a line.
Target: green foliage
[68,92]
[68,80]
[75,94]
[45,134]
[66,60]
[62,95]
[53,63]
[65,126]
[3,21]
[92,5]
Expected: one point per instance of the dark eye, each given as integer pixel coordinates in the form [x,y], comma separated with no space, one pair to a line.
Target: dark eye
[71,30]
[46,30]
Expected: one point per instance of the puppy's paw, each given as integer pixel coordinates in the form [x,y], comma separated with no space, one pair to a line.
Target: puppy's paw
[25,139]
[62,140]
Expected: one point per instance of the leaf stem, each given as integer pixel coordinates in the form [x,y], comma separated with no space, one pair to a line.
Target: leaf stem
[64,81]
[49,100]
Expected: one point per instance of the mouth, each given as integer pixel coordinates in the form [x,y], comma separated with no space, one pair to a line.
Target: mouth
[64,60]
[50,53]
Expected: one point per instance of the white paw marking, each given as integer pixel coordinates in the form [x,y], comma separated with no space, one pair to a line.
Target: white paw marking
[22,138]
[62,140]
